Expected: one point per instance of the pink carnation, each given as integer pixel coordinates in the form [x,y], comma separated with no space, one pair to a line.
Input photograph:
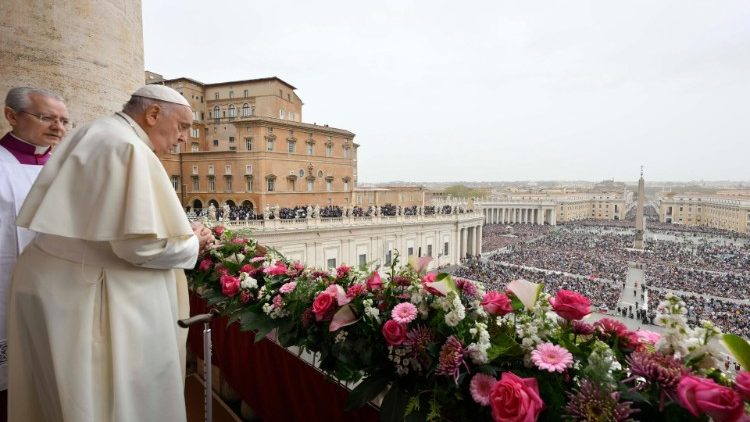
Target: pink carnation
[205,264]
[356,290]
[342,271]
[279,268]
[288,287]
[404,313]
[278,303]
[552,358]
[246,296]
[480,388]
[467,287]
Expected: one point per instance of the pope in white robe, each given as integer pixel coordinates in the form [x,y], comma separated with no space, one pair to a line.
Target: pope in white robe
[95,297]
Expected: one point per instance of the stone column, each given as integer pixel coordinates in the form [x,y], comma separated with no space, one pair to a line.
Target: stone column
[479,240]
[91,52]
[463,243]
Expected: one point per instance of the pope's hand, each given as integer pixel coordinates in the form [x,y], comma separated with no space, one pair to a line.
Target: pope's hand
[203,234]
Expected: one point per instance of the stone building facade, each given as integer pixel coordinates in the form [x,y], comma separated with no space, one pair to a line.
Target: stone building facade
[249,147]
[553,206]
[373,241]
[728,210]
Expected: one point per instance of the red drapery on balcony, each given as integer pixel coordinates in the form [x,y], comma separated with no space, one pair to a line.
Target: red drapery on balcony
[275,383]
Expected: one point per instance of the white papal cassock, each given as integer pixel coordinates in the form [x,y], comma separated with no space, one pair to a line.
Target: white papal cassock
[94,298]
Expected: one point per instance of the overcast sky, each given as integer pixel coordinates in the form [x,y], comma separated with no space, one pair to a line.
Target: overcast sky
[490,91]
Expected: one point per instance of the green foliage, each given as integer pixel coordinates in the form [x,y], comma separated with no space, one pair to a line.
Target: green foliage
[739,348]
[461,191]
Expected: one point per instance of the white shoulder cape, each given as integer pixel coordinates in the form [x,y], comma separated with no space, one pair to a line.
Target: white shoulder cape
[104,184]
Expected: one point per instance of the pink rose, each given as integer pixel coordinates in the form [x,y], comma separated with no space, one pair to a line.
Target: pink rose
[742,384]
[394,332]
[322,305]
[229,285]
[247,268]
[515,399]
[218,230]
[496,303]
[374,282]
[205,264]
[702,395]
[570,305]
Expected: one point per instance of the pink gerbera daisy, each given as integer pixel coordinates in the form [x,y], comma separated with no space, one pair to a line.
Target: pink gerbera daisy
[404,313]
[480,387]
[551,358]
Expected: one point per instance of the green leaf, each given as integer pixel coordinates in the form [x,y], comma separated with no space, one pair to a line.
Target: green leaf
[503,345]
[263,331]
[366,391]
[739,349]
[394,404]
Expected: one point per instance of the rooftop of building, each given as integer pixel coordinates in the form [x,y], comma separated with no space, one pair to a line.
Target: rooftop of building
[204,85]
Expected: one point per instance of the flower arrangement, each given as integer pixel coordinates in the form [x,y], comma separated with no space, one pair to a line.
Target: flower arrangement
[440,348]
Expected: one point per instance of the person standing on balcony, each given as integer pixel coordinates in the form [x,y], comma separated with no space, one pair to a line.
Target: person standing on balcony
[38,120]
[95,297]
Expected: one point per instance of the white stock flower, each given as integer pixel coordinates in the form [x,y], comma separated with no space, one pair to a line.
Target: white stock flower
[248,282]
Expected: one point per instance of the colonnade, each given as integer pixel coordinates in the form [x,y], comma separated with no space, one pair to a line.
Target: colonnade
[516,214]
[470,241]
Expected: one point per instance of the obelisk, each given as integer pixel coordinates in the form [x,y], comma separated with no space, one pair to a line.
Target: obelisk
[640,223]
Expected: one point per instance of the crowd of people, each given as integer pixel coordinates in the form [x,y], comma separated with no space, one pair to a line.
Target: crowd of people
[498,236]
[232,212]
[655,226]
[730,317]
[584,253]
[595,256]
[603,294]
[728,284]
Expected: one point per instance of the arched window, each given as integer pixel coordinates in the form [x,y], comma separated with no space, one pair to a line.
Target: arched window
[232,111]
[245,110]
[216,112]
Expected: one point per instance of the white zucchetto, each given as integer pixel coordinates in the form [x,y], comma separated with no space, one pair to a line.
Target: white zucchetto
[161,93]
